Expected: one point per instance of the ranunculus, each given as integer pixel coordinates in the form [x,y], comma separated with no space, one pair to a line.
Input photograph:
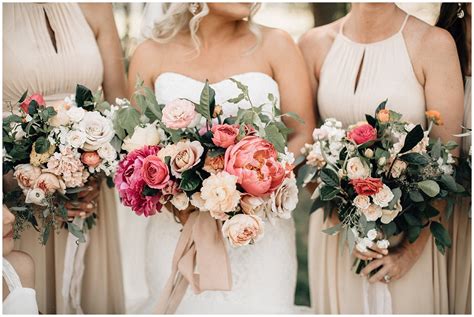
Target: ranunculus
[26,175]
[75,138]
[362,134]
[36,196]
[76,114]
[180,201]
[224,135]
[362,202]
[398,168]
[383,197]
[213,164]
[107,152]
[372,213]
[388,215]
[243,229]
[91,159]
[367,186]
[50,183]
[219,191]
[356,168]
[98,130]
[155,172]
[178,114]
[147,135]
[36,97]
[285,198]
[383,115]
[36,159]
[61,118]
[184,156]
[255,163]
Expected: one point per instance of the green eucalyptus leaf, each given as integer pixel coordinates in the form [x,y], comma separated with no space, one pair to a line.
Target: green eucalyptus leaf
[328,192]
[207,102]
[413,233]
[237,99]
[441,235]
[429,187]
[77,232]
[42,145]
[436,150]
[415,158]
[294,116]
[274,136]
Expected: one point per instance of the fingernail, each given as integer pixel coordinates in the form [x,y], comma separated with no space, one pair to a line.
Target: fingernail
[385,251]
[90,206]
[370,259]
[379,256]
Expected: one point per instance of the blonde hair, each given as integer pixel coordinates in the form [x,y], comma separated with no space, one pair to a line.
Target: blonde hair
[177,17]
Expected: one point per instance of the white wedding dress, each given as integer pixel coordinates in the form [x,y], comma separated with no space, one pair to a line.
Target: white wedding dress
[264,274]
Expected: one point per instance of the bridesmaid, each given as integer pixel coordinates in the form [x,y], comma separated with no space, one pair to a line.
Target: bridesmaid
[49,48]
[376,52]
[456,19]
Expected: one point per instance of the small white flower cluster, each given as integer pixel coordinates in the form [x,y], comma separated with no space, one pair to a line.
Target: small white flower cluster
[363,243]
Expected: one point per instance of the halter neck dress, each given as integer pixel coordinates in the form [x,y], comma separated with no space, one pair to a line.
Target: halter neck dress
[20,300]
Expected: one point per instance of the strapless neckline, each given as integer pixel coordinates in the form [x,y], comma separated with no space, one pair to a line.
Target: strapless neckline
[264,75]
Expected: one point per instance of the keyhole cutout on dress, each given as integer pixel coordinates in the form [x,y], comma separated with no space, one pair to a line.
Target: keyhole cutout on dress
[359,72]
[52,34]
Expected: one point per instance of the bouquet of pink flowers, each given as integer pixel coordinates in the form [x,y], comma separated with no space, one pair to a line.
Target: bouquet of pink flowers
[185,156]
[54,150]
[382,177]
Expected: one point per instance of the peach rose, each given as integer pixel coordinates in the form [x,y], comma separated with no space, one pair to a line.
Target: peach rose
[243,229]
[255,163]
[26,175]
[372,213]
[214,164]
[383,115]
[184,156]
[224,135]
[91,159]
[50,183]
[178,114]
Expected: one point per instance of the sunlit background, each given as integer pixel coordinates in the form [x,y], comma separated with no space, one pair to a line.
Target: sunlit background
[295,18]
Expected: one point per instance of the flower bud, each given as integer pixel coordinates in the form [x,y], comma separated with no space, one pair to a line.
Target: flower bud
[369,153]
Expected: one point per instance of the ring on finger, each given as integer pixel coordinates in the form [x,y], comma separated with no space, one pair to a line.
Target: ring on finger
[387,278]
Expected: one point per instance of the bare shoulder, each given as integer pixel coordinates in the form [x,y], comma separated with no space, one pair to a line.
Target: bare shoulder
[427,38]
[320,37]
[24,266]
[275,39]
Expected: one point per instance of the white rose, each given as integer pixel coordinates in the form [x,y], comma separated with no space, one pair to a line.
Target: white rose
[398,168]
[98,130]
[180,201]
[383,197]
[219,191]
[36,196]
[252,205]
[362,202]
[75,114]
[184,156]
[363,244]
[388,215]
[147,135]
[198,202]
[75,138]
[243,229]
[356,168]
[61,118]
[285,198]
[372,234]
[383,244]
[372,213]
[107,152]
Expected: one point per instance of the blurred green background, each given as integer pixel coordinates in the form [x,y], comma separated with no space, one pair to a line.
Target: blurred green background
[295,18]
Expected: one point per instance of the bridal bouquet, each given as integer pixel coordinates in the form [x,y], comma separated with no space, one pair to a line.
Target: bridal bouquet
[54,150]
[185,156]
[383,177]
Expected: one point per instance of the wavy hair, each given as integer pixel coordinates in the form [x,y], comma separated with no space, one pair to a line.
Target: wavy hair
[177,18]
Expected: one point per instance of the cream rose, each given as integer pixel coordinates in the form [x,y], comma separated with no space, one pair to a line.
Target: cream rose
[356,168]
[388,215]
[107,152]
[147,135]
[252,205]
[184,156]
[26,175]
[75,114]
[285,198]
[243,229]
[372,234]
[75,138]
[362,202]
[383,197]
[219,191]
[36,196]
[198,202]
[372,213]
[98,130]
[61,118]
[180,201]
[398,168]
[50,183]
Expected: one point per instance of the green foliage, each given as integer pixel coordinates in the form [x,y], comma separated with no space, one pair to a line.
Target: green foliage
[329,177]
[207,102]
[84,98]
[441,236]
[413,138]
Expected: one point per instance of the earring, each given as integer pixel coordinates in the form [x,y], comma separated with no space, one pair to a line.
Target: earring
[194,8]
[460,12]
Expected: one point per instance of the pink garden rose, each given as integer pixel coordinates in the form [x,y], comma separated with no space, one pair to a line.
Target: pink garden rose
[367,186]
[91,159]
[36,97]
[224,135]
[178,114]
[130,183]
[155,172]
[362,134]
[255,163]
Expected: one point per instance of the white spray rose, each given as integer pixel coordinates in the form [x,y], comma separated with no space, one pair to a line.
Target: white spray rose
[356,168]
[383,197]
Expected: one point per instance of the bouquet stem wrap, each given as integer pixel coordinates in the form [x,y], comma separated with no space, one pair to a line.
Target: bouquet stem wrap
[74,270]
[377,298]
[200,260]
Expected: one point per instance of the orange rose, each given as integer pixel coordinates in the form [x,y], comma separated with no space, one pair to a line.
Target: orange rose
[434,116]
[383,115]
[91,159]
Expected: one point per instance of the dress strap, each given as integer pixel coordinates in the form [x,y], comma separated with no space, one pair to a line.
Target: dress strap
[404,23]
[10,275]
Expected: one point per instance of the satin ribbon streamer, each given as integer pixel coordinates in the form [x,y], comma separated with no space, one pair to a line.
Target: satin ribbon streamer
[74,270]
[200,260]
[377,298]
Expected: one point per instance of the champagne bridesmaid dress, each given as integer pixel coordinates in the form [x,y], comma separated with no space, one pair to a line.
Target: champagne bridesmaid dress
[385,71]
[33,61]
[459,255]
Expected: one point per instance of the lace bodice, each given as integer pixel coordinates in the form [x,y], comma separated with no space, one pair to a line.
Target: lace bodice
[264,274]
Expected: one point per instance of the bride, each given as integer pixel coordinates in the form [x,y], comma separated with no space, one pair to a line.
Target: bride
[190,43]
